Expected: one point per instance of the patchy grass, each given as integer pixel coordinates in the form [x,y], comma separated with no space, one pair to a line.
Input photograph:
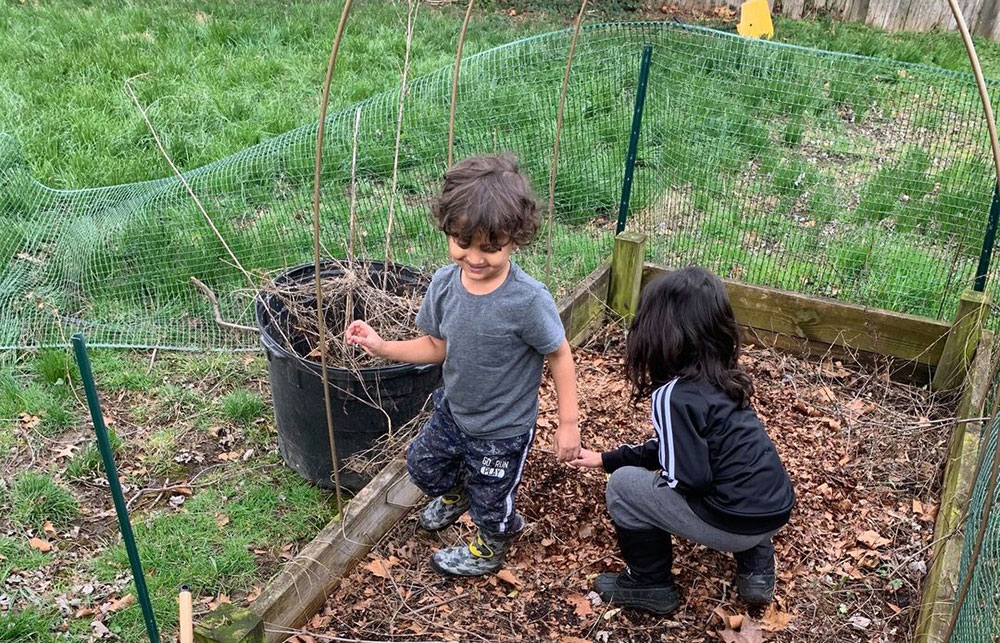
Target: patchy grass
[209,542]
[120,371]
[36,498]
[242,407]
[88,463]
[57,366]
[15,556]
[220,524]
[27,626]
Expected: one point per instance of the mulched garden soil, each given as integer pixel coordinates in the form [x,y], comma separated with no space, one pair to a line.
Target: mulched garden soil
[865,456]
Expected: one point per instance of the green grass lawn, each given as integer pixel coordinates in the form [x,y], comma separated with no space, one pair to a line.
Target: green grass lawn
[220,76]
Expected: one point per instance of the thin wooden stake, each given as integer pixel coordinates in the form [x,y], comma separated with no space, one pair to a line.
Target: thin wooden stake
[454,81]
[185,620]
[411,14]
[352,224]
[321,317]
[555,145]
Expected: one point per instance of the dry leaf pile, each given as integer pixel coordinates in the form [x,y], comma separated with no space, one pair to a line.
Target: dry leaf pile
[864,455]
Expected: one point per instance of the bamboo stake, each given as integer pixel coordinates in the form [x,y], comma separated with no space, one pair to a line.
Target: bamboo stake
[454,81]
[321,318]
[411,14]
[351,227]
[555,145]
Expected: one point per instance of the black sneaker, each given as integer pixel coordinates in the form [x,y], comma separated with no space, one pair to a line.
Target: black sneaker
[622,589]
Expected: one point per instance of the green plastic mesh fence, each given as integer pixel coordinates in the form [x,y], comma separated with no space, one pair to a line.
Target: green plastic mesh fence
[979,620]
[855,178]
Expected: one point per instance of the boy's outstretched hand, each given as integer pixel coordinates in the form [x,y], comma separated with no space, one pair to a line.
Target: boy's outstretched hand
[363,335]
[588,460]
[567,441]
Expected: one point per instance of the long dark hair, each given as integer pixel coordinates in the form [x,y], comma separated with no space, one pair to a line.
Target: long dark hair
[685,328]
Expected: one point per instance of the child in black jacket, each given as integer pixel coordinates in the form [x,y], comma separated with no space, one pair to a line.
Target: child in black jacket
[711,474]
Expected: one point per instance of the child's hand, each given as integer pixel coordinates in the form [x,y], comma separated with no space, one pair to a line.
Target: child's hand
[363,335]
[567,441]
[588,460]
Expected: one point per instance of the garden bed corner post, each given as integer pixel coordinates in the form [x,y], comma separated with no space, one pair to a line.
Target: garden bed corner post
[627,261]
[960,346]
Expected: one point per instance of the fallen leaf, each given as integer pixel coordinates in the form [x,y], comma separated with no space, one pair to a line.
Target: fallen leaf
[872,539]
[221,519]
[65,452]
[774,620]
[29,421]
[547,542]
[581,605]
[227,456]
[301,638]
[586,531]
[121,603]
[508,577]
[40,544]
[825,395]
[859,622]
[320,621]
[49,530]
[573,639]
[749,632]
[183,490]
[84,612]
[380,566]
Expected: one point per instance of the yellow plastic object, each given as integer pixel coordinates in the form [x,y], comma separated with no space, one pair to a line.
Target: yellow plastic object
[755,20]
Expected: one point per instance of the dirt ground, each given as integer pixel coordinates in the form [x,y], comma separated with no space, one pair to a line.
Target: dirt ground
[865,457]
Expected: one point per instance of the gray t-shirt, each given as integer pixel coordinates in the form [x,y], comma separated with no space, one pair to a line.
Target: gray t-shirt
[496,345]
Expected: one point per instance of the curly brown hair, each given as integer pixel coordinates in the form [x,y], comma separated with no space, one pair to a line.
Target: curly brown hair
[488,195]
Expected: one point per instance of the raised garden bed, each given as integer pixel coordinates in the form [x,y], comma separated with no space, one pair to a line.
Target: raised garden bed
[843,391]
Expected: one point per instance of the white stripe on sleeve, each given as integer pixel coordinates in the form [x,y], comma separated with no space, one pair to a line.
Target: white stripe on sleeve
[664,430]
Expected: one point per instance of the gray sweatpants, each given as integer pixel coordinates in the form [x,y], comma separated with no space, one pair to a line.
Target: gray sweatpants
[641,499]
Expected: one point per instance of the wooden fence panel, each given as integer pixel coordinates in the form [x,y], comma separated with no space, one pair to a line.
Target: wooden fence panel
[983,16]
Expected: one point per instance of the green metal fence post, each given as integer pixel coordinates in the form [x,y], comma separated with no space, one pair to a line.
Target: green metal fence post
[104,445]
[633,141]
[988,241]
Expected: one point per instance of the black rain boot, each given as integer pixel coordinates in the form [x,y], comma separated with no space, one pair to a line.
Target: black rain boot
[755,574]
[646,582]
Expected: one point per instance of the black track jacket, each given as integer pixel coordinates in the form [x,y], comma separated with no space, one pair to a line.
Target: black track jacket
[716,454]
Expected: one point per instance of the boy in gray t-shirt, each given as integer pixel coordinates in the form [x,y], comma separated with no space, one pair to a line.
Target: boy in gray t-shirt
[492,326]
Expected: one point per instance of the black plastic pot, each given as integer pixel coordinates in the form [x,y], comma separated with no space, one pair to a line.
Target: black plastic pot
[297,387]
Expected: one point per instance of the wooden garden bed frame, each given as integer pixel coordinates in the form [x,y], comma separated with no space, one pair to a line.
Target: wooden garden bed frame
[920,350]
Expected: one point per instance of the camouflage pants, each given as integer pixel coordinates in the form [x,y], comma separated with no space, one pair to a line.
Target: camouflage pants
[442,457]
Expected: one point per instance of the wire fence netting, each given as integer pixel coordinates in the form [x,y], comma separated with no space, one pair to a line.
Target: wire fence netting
[861,179]
[979,618]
